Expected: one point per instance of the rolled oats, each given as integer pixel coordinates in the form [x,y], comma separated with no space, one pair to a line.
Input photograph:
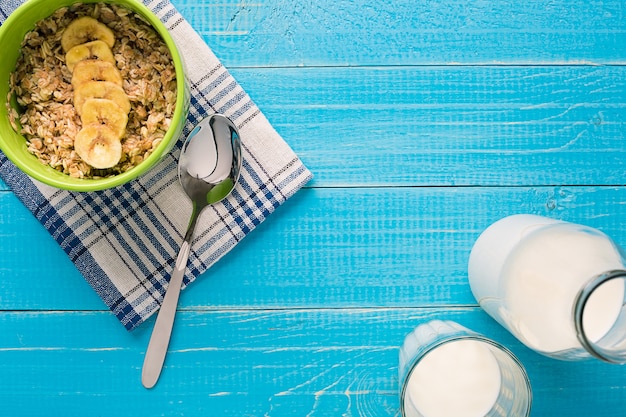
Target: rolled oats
[41,84]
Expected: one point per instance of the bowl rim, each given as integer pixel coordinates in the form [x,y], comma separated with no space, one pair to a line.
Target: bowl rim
[63,181]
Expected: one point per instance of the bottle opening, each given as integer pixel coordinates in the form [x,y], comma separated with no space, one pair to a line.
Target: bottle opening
[600,317]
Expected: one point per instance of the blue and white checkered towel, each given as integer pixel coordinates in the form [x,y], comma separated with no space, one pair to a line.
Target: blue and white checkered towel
[124,241]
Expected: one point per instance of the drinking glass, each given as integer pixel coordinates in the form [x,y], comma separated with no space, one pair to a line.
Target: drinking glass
[447,370]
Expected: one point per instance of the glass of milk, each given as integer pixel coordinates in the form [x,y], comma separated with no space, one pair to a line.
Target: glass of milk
[447,370]
[558,287]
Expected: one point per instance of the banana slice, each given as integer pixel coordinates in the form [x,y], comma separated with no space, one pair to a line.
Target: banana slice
[85,29]
[95,70]
[98,146]
[96,50]
[105,112]
[100,89]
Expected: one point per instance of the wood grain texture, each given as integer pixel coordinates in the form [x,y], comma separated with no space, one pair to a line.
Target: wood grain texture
[321,362]
[423,122]
[449,125]
[272,33]
[329,247]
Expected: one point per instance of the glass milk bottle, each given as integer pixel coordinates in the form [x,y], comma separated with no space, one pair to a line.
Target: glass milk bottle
[447,370]
[556,286]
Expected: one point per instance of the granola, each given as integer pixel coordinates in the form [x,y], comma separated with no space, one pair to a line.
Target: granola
[41,85]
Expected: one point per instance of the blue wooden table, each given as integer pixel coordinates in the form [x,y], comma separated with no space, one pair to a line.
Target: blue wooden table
[423,123]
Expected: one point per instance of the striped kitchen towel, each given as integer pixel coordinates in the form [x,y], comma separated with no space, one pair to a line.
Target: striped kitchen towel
[124,240]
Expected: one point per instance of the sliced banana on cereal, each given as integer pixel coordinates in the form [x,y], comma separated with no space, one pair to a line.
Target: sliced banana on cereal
[105,112]
[98,146]
[100,89]
[95,70]
[94,50]
[86,29]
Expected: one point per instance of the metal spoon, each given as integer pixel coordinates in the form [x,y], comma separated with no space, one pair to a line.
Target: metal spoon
[208,168]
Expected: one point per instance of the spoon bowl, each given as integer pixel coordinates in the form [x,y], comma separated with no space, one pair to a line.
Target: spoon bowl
[208,169]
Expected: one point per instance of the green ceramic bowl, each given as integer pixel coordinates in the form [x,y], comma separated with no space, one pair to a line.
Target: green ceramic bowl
[12,32]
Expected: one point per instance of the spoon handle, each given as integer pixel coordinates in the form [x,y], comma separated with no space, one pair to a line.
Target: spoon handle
[160,338]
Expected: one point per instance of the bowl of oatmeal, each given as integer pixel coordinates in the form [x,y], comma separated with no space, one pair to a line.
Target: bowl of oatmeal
[92,94]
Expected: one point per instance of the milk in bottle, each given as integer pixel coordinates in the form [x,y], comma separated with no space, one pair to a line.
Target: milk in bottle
[528,272]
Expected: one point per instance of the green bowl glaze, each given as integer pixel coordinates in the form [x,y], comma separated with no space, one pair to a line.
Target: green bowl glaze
[12,32]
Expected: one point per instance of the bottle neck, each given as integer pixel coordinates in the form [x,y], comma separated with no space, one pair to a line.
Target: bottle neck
[610,347]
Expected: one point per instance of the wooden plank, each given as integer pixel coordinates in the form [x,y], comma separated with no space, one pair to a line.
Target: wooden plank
[33,267]
[449,125]
[399,32]
[321,362]
[327,247]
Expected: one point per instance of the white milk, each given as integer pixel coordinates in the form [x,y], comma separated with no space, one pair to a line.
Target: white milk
[541,308]
[526,272]
[457,379]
